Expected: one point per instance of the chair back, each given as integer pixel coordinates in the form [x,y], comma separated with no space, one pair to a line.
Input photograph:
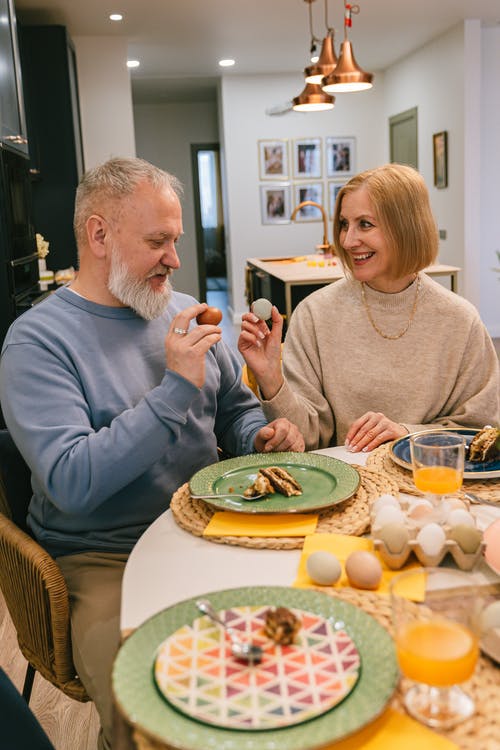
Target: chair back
[31,581]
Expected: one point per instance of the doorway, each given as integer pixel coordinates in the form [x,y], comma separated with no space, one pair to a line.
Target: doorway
[403,136]
[210,239]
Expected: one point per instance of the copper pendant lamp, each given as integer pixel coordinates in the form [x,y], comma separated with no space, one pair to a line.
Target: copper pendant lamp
[327,59]
[348,75]
[313,99]
[326,63]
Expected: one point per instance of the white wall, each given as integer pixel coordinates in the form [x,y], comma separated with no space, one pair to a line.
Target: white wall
[164,134]
[105,98]
[243,123]
[432,80]
[490,171]
[449,94]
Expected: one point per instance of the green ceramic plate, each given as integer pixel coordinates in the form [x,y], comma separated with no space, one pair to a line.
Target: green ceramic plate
[141,703]
[325,481]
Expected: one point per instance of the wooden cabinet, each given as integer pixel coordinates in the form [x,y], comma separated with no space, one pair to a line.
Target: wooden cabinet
[55,145]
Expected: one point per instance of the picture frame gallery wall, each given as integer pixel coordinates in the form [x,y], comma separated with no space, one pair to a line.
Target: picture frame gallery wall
[292,171]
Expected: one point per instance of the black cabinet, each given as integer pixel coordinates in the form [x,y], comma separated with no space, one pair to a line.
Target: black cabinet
[55,145]
[12,120]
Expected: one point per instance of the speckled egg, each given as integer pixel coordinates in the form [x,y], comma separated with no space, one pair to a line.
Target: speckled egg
[262,308]
[323,568]
[395,536]
[363,570]
[388,514]
[490,616]
[431,538]
[459,517]
[467,537]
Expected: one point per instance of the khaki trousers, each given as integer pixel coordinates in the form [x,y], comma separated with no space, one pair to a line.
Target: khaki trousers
[94,584]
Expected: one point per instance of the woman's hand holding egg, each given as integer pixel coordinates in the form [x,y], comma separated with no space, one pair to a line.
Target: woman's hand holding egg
[261,347]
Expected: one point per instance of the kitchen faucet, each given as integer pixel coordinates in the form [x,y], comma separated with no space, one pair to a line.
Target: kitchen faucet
[325,247]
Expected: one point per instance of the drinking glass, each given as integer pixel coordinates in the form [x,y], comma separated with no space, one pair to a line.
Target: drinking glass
[438,463]
[437,641]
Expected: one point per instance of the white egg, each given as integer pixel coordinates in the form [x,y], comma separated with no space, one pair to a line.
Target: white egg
[262,308]
[458,516]
[431,538]
[384,501]
[323,568]
[490,617]
[389,514]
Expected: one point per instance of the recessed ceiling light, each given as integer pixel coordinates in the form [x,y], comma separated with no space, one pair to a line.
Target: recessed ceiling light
[133,63]
[226,63]
[116,17]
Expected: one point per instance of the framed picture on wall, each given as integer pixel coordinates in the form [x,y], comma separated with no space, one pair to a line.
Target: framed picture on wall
[440,150]
[307,158]
[309,191]
[275,207]
[340,156]
[333,190]
[273,160]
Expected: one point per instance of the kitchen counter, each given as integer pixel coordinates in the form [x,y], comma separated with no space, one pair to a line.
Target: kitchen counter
[286,281]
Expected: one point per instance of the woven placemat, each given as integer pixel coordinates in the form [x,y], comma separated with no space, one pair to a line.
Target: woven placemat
[380,459]
[480,732]
[352,516]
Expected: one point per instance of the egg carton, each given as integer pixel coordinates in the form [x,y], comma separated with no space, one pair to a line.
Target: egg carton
[464,560]
[416,524]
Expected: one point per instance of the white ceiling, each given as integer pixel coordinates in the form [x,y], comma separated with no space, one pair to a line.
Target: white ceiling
[179,42]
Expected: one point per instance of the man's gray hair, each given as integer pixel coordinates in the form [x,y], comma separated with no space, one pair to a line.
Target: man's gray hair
[114,180]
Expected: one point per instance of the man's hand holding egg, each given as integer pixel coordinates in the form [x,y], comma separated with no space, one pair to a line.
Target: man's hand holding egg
[211,316]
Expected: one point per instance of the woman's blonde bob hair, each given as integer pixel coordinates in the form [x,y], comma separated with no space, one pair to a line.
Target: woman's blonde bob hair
[400,201]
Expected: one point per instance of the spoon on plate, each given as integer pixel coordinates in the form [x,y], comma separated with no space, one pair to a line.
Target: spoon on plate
[228,494]
[245,650]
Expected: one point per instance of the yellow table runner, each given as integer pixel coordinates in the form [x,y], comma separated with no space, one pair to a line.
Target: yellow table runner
[227,523]
[393,731]
[341,545]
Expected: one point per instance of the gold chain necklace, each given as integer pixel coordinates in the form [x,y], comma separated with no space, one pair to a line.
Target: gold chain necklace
[375,326]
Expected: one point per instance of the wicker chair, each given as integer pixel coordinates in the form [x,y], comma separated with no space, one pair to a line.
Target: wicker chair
[32,583]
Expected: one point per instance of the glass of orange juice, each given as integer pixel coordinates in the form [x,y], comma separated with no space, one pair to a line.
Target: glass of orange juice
[436,618]
[437,462]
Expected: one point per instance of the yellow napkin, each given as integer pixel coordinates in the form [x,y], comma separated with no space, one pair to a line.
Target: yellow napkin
[226,523]
[392,731]
[341,545]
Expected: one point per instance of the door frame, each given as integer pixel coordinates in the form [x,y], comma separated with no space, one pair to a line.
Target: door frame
[394,121]
[200,248]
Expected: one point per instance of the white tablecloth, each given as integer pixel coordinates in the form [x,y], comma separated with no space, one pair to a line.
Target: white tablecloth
[168,564]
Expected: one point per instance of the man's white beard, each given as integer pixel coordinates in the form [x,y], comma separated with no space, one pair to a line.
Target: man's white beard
[136,293]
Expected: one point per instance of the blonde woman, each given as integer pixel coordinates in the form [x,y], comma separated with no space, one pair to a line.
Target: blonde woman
[387,350]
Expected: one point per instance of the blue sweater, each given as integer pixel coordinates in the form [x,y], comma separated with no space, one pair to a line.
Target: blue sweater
[108,432]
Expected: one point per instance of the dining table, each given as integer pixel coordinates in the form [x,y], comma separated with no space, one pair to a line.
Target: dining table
[170,565]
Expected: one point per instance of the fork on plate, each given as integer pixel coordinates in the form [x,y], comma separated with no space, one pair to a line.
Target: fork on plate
[227,494]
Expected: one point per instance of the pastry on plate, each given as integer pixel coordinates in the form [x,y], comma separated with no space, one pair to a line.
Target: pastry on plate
[274,479]
[485,445]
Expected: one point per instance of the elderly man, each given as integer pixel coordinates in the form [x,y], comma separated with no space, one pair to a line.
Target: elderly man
[115,397]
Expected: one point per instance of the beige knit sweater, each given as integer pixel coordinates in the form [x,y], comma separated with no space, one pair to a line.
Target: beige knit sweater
[443,371]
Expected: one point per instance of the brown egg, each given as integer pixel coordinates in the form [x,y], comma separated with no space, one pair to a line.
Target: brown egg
[211,316]
[363,570]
